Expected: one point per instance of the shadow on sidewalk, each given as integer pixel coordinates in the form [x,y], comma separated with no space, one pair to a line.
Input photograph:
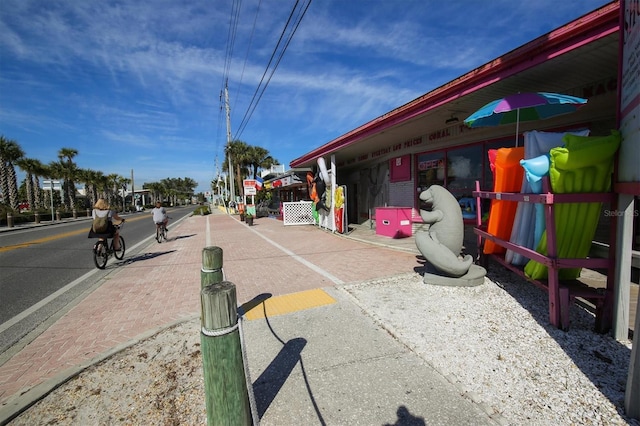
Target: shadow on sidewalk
[246,307]
[405,418]
[143,256]
[179,237]
[268,385]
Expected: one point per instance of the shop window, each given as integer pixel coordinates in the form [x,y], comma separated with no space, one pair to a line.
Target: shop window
[430,168]
[464,168]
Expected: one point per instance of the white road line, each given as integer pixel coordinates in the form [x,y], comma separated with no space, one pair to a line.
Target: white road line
[208,239]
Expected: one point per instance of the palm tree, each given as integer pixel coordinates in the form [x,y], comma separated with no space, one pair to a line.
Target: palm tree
[237,150]
[189,186]
[101,183]
[46,199]
[169,188]
[10,152]
[91,179]
[30,166]
[39,170]
[54,170]
[112,187]
[259,158]
[121,182]
[156,191]
[65,155]
[4,183]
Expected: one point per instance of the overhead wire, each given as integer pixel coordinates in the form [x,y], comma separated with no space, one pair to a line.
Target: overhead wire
[276,57]
[231,38]
[246,56]
[261,88]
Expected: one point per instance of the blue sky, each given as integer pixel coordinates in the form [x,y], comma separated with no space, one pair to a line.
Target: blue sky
[136,84]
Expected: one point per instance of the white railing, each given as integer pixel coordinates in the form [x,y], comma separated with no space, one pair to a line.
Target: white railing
[298,213]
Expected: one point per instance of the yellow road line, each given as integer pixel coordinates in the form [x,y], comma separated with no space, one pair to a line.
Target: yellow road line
[280,305]
[42,240]
[53,238]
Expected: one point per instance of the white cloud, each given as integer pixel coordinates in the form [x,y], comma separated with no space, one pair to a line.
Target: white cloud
[145,77]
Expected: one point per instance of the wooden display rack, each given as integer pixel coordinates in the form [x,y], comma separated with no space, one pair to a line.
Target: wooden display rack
[561,293]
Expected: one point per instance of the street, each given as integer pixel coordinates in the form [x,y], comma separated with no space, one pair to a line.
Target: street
[46,270]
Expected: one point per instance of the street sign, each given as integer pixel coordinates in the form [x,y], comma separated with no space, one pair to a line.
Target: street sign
[249,186]
[48,185]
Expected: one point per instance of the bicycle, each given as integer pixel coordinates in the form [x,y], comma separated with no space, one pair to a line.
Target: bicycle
[161,232]
[102,251]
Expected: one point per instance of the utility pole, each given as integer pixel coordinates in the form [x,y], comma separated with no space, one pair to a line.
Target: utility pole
[133,194]
[230,172]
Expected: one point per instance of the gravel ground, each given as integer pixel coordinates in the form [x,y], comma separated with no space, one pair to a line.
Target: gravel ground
[493,341]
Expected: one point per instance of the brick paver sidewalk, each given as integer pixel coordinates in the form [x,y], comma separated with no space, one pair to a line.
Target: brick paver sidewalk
[161,286]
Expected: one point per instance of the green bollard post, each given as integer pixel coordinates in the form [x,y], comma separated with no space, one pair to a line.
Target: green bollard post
[211,272]
[225,385]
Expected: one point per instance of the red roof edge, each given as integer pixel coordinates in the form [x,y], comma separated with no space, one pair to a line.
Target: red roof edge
[592,26]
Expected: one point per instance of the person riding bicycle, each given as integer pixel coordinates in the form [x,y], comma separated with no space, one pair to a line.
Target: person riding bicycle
[160,215]
[102,209]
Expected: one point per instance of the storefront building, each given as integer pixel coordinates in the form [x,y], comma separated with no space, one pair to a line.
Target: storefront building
[391,159]
[288,186]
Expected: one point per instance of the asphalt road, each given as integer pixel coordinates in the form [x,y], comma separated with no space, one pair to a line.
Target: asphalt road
[46,270]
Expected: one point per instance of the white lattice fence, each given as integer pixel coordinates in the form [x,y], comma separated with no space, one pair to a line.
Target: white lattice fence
[298,213]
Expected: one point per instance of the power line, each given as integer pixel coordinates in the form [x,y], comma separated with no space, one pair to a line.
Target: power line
[231,40]
[261,88]
[246,56]
[231,37]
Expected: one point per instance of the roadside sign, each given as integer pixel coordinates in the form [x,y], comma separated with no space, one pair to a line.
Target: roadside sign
[48,185]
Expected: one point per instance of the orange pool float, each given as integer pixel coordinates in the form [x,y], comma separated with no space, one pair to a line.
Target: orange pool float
[507,177]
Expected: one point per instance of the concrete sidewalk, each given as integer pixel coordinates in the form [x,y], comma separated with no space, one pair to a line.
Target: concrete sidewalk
[350,369]
[334,365]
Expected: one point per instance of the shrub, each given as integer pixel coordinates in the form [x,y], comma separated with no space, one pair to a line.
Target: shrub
[201,211]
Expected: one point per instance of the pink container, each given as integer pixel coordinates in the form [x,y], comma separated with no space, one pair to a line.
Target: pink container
[394,222]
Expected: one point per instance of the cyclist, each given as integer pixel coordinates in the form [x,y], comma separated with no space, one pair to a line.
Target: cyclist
[102,209]
[160,215]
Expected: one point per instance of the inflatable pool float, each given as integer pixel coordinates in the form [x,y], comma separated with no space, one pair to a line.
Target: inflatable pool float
[583,165]
[529,223]
[507,177]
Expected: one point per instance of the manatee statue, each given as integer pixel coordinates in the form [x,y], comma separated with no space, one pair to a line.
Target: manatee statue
[442,243]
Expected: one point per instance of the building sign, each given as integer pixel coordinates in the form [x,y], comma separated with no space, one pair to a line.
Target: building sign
[430,164]
[292,179]
[629,155]
[249,186]
[439,134]
[395,148]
